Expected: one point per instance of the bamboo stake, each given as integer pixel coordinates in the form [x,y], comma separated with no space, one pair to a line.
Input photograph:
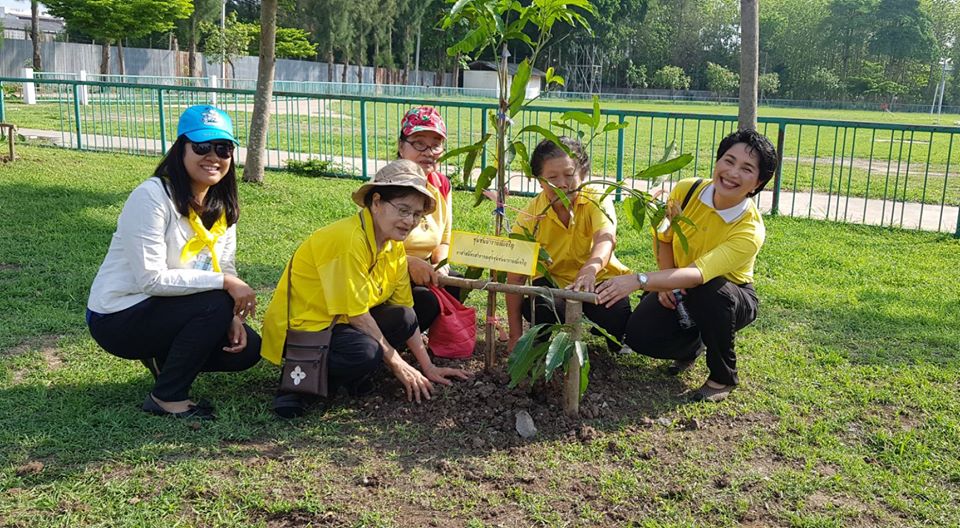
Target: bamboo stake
[519,289]
[571,389]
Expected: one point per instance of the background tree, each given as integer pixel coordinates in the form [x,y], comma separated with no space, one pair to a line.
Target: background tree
[291,43]
[35,34]
[111,21]
[749,63]
[189,29]
[228,44]
[671,78]
[769,84]
[720,80]
[260,120]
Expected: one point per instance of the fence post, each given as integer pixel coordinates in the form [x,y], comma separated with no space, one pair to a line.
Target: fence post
[620,139]
[363,136]
[571,388]
[781,132]
[76,115]
[213,95]
[84,96]
[3,105]
[163,123]
[29,88]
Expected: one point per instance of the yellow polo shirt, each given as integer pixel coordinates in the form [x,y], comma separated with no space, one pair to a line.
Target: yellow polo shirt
[435,228]
[336,271]
[570,246]
[717,247]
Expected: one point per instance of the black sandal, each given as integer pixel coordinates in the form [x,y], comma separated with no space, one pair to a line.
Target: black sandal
[201,411]
[288,405]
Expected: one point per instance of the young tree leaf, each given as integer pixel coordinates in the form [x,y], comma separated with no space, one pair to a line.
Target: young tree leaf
[547,134]
[557,353]
[615,125]
[483,181]
[476,38]
[581,351]
[518,87]
[440,264]
[666,167]
[580,117]
[596,112]
[670,152]
[552,78]
[521,151]
[635,210]
[524,354]
[602,332]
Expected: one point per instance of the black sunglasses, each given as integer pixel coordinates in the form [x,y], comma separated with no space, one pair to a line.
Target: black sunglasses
[223,150]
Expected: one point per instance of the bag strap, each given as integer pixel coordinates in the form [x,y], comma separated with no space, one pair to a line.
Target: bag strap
[689,195]
[290,289]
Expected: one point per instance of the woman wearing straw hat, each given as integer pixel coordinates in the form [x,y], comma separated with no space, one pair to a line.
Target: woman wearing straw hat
[356,268]
[167,292]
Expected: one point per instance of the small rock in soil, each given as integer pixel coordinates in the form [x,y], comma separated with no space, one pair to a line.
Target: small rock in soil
[477,442]
[693,425]
[648,454]
[587,434]
[665,422]
[524,425]
[371,481]
[723,482]
[646,422]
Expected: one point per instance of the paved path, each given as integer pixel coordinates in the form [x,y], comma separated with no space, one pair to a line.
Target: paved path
[910,215]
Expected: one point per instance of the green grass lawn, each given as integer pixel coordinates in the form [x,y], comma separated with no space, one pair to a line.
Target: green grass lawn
[847,414]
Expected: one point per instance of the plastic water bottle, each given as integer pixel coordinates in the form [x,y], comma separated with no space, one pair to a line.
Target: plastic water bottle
[683,316]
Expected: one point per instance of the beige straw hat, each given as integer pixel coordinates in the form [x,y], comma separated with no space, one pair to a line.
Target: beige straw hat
[399,173]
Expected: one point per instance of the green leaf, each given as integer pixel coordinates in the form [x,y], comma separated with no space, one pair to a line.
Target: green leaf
[602,332]
[474,39]
[580,117]
[596,112]
[557,353]
[521,154]
[565,126]
[525,354]
[635,210]
[581,351]
[542,270]
[562,196]
[553,78]
[678,230]
[670,152]
[547,134]
[483,181]
[666,167]
[521,236]
[455,10]
[518,87]
[614,125]
[657,217]
[440,264]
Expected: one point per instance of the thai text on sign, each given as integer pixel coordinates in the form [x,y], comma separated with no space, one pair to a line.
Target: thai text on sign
[490,252]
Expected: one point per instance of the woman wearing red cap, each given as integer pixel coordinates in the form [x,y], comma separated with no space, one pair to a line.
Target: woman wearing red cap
[167,293]
[422,138]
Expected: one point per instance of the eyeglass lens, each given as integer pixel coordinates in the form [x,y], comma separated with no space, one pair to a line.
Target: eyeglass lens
[222,150]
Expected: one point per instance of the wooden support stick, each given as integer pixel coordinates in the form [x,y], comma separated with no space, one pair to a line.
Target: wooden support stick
[571,389]
[520,289]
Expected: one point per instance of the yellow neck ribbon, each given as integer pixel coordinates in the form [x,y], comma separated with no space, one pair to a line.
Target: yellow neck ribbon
[203,238]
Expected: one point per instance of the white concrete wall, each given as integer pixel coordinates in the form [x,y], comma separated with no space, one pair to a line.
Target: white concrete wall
[487,80]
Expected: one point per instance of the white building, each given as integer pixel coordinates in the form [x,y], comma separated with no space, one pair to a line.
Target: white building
[16,25]
[482,75]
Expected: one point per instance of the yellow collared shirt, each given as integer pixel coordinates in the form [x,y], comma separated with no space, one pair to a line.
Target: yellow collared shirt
[336,271]
[570,246]
[716,247]
[434,229]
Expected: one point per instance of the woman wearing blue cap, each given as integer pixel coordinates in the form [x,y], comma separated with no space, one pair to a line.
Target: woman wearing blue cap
[167,293]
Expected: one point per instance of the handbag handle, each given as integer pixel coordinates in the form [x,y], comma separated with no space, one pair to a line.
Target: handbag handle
[290,289]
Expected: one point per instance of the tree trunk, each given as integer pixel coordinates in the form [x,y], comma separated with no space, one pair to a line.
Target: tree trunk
[346,67]
[35,34]
[749,63]
[105,57]
[256,145]
[192,46]
[330,64]
[120,57]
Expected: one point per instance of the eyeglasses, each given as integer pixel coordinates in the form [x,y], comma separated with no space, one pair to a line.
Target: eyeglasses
[405,213]
[420,146]
[223,150]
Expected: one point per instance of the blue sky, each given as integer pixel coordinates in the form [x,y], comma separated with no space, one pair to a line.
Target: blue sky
[17,5]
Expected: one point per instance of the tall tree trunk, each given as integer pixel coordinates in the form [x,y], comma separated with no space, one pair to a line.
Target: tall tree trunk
[346,66]
[120,57]
[330,64]
[35,34]
[105,57]
[256,145]
[749,63]
[192,46]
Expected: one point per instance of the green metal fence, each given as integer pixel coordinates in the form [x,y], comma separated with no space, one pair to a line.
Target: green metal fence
[870,173]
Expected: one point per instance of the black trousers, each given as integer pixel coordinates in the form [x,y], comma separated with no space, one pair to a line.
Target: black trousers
[426,305]
[356,358]
[186,334]
[613,320]
[720,308]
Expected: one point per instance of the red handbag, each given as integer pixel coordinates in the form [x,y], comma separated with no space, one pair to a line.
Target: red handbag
[453,333]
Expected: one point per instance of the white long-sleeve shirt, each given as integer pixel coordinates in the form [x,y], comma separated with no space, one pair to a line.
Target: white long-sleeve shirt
[144,256]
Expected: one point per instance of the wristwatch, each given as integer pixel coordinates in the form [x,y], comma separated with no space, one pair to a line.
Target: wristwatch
[643,279]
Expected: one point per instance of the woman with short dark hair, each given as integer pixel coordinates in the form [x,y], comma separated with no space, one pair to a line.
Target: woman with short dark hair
[167,292]
[714,275]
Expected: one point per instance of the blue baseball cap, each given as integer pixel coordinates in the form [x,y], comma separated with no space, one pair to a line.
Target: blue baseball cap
[205,123]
